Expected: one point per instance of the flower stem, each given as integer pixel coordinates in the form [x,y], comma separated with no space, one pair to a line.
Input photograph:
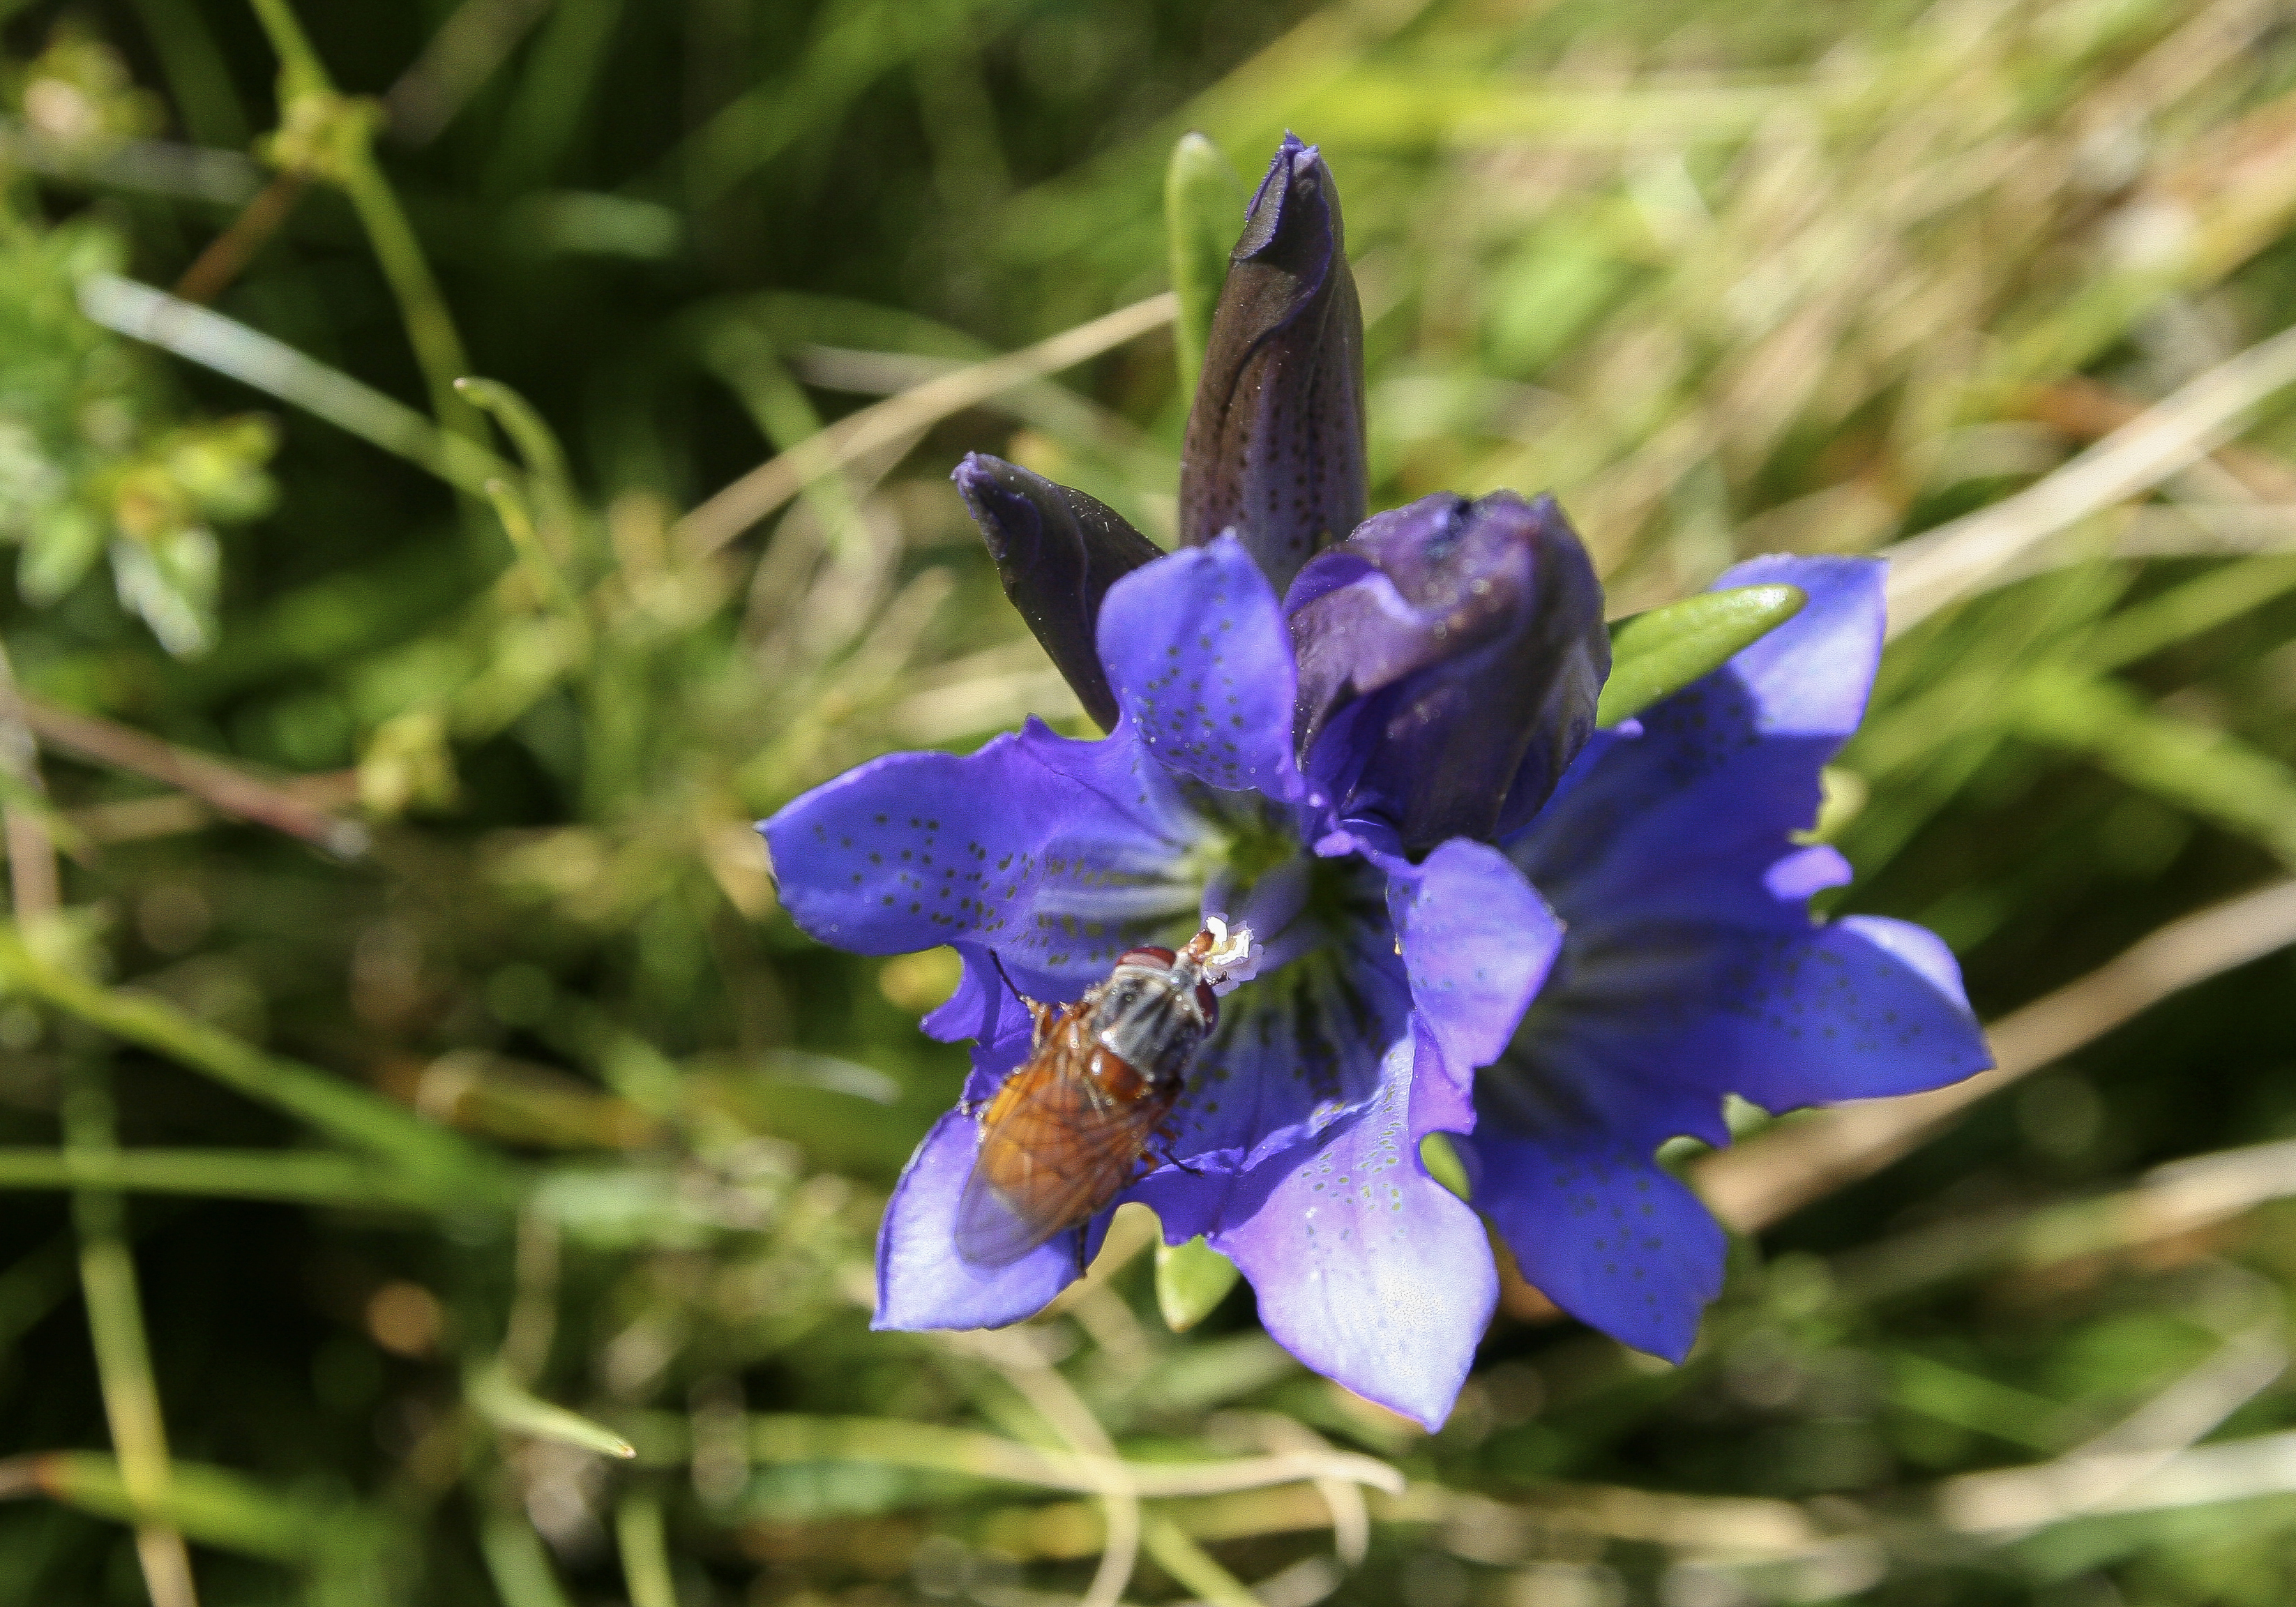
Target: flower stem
[123,1360]
[33,886]
[645,1559]
[430,326]
[1194,1568]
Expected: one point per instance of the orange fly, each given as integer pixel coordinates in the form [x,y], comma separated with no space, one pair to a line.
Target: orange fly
[1067,1130]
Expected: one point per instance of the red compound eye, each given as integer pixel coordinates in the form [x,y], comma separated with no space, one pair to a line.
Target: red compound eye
[1208,1002]
[1151,955]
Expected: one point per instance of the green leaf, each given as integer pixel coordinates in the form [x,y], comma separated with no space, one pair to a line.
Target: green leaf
[545,462]
[1191,1279]
[1656,654]
[212,1505]
[1204,213]
[2213,774]
[503,1402]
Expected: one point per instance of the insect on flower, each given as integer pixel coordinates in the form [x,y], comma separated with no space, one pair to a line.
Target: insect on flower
[1066,1129]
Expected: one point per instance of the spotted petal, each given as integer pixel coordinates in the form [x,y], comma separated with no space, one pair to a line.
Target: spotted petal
[1603,1233]
[1365,1267]
[1059,855]
[1477,943]
[1202,665]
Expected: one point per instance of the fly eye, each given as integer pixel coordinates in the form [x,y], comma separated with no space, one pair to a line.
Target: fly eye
[1208,1002]
[1150,955]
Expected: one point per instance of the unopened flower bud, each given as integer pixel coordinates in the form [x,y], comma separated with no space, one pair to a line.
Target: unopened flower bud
[1450,654]
[1275,447]
[1058,551]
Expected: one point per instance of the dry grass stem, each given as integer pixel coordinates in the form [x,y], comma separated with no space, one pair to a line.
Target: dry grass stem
[749,499]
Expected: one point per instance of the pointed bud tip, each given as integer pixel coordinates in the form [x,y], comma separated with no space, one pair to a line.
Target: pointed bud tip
[1057,551]
[996,494]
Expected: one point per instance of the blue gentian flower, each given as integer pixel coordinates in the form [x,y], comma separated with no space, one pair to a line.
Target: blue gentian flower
[1477,915]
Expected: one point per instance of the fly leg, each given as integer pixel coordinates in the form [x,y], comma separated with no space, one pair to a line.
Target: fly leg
[1160,1152]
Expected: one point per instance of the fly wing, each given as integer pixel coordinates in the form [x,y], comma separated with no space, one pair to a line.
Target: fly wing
[1054,1149]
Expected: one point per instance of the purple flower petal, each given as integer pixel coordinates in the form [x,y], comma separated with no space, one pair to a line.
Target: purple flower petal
[1686,819]
[1691,969]
[1477,943]
[1810,676]
[1648,1025]
[1059,854]
[1918,948]
[1275,448]
[1839,1013]
[1602,1232]
[982,1008]
[1197,652]
[1450,654]
[1364,1267]
[922,1282]
[1057,551]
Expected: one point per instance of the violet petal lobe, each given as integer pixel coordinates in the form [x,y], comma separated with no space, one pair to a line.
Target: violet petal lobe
[1477,943]
[982,1007]
[1691,968]
[922,1283]
[1060,855]
[1276,443]
[1057,551]
[1603,1233]
[1687,817]
[1364,1266]
[1196,651]
[1450,656]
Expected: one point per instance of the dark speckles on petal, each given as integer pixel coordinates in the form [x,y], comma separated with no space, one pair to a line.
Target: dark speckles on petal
[1196,650]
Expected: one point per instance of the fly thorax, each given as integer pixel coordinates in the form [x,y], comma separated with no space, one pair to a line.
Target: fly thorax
[1149,1017]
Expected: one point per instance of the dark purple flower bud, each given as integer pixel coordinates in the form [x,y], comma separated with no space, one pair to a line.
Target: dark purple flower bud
[1275,447]
[1058,552]
[1450,654]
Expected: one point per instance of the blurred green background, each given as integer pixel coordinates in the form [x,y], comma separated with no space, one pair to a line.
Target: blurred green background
[401,1050]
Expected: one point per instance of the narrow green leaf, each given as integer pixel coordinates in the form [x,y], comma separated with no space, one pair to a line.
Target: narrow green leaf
[537,447]
[2213,774]
[444,1165]
[212,1505]
[1656,654]
[645,1559]
[307,1177]
[1204,213]
[503,1402]
[1191,1279]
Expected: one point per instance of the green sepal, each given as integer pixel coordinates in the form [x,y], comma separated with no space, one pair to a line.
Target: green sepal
[1656,654]
[1441,1159]
[1191,1280]
[1204,213]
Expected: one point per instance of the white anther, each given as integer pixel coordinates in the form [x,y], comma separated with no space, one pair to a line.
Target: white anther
[1234,957]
